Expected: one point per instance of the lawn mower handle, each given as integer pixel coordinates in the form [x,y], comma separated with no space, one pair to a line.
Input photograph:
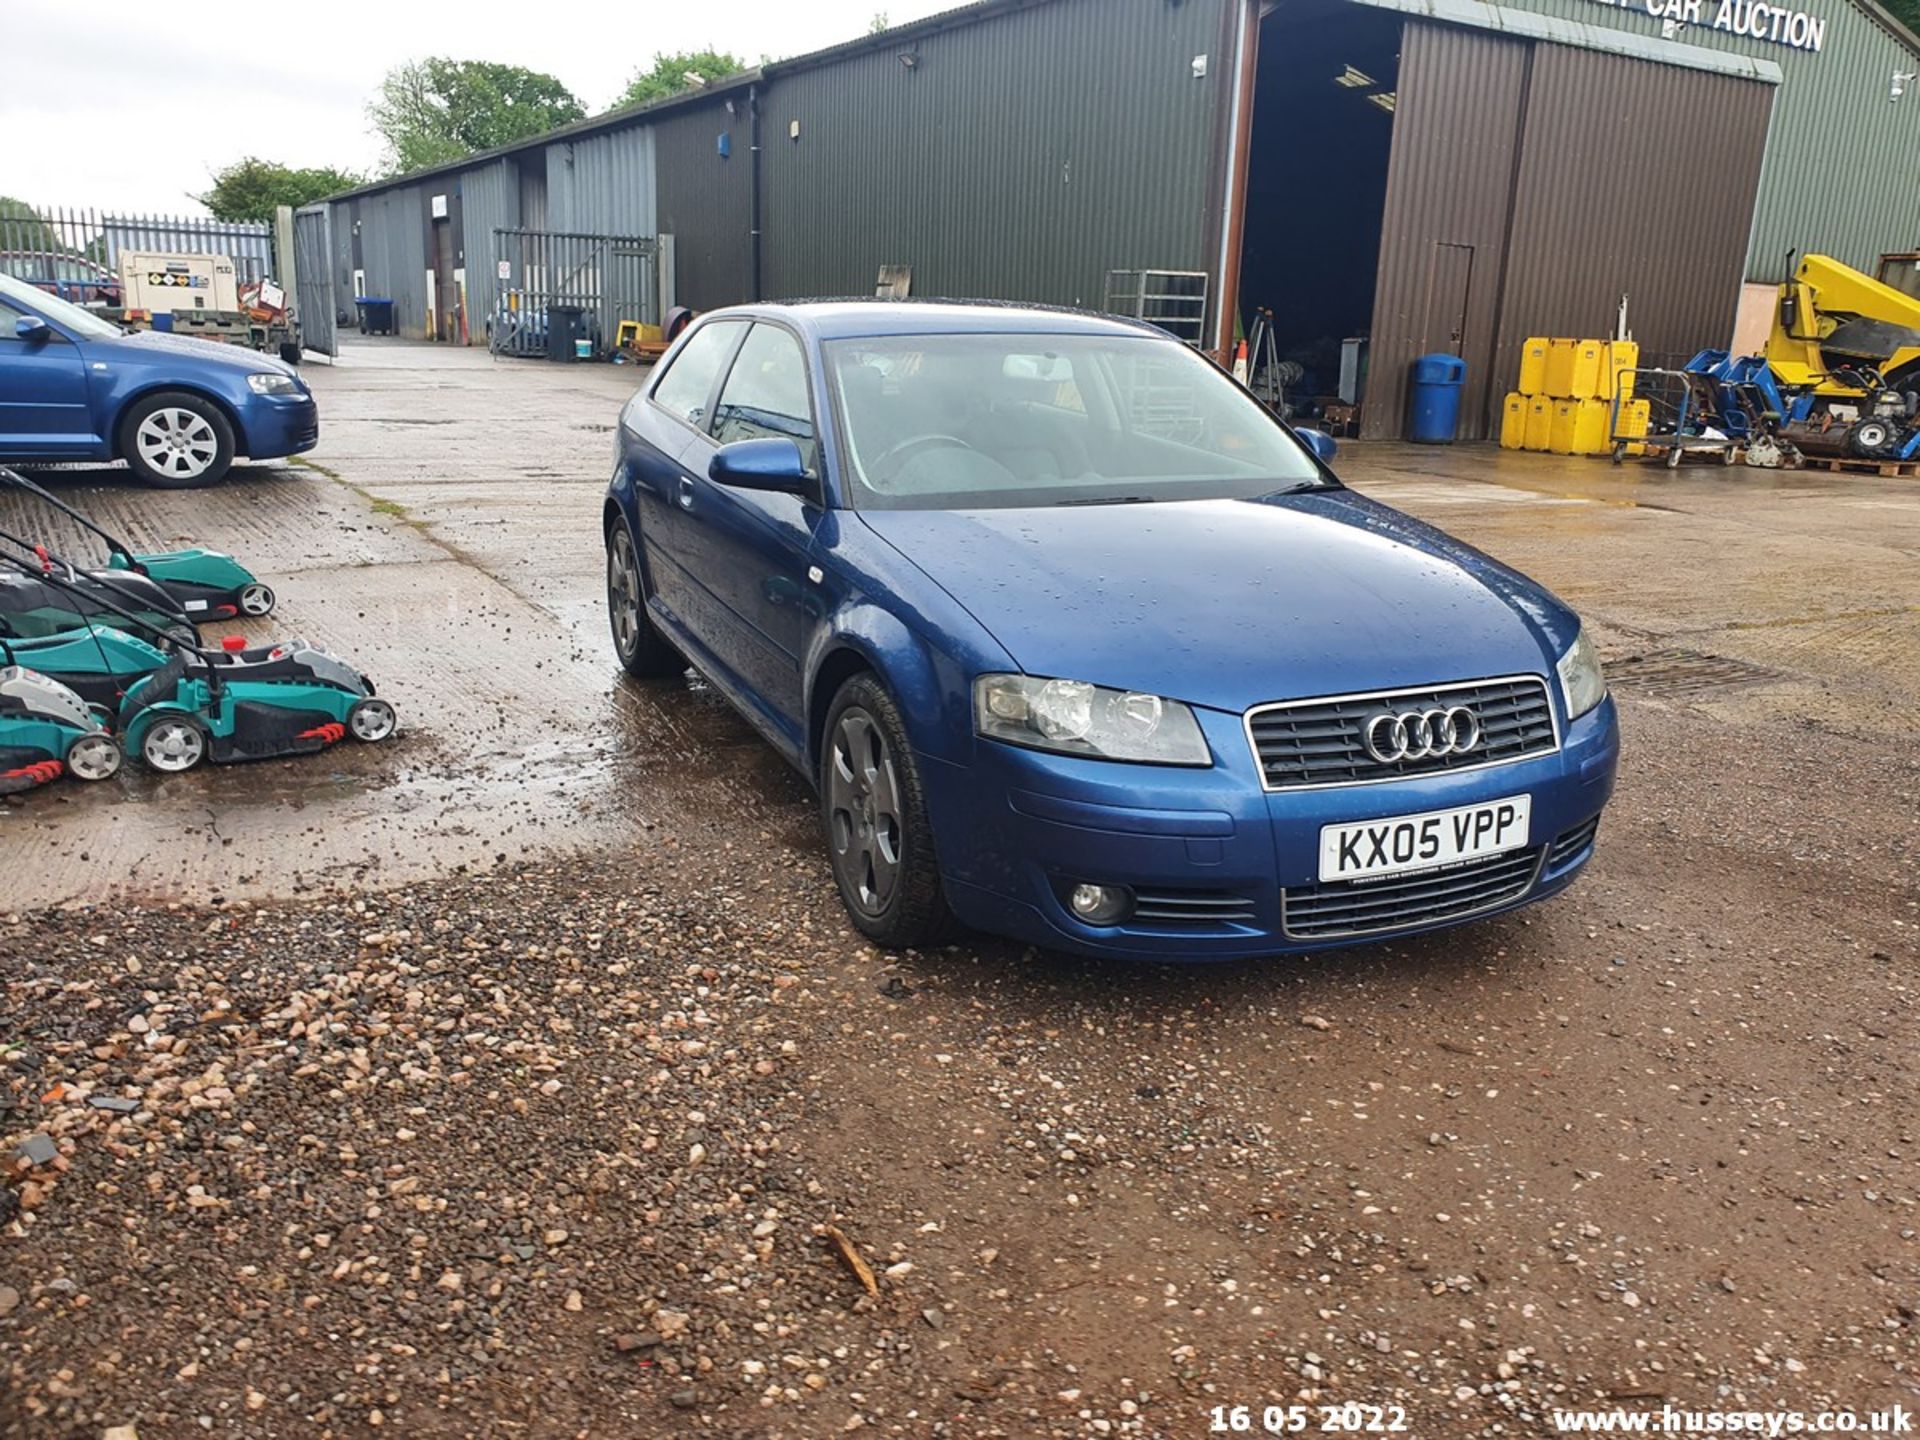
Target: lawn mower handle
[10,476]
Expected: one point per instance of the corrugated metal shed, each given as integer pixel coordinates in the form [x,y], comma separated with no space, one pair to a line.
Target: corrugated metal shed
[1842,171]
[390,244]
[489,200]
[602,184]
[1019,159]
[705,202]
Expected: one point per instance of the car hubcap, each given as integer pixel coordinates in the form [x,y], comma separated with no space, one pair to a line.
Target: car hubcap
[371,721]
[623,593]
[173,745]
[863,801]
[256,600]
[177,443]
[94,758]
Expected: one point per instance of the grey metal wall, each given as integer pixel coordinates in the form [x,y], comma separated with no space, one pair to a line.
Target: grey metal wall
[1440,191]
[392,251]
[706,202]
[490,200]
[602,184]
[1570,195]
[1018,158]
[1842,172]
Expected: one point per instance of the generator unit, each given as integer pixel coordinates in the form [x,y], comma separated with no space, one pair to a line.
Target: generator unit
[169,284]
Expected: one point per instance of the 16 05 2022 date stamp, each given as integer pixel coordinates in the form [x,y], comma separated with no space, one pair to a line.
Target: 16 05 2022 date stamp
[1350,1418]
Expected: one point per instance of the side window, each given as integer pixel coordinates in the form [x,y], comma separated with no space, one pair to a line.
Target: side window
[684,389]
[766,393]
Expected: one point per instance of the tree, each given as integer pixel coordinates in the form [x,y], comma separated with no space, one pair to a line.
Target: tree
[668,74]
[1907,12]
[877,25]
[249,189]
[435,110]
[24,228]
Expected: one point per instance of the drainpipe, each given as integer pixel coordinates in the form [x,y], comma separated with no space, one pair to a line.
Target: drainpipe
[753,174]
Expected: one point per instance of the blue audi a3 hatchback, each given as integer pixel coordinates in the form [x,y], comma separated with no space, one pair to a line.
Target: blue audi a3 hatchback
[1080,645]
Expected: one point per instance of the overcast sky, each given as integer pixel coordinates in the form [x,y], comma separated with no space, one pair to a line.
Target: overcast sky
[127,106]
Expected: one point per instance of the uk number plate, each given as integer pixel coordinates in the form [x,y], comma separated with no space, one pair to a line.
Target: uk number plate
[1369,849]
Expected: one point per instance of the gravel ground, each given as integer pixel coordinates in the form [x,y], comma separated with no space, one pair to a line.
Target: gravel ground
[553,1152]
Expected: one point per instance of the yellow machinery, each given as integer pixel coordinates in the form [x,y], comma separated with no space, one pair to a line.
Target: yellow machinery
[1831,318]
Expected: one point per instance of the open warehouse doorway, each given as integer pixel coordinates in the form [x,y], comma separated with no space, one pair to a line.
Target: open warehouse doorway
[1322,132]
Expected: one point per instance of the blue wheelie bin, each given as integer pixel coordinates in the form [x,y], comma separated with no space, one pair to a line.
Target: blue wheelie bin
[1433,399]
[376,314]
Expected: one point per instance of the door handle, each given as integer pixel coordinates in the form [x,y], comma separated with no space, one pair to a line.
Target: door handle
[686,493]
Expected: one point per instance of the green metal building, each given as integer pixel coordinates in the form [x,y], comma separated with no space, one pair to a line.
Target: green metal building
[1424,174]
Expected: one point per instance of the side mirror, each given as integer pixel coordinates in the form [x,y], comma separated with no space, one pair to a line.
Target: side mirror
[770,463]
[31,328]
[1320,443]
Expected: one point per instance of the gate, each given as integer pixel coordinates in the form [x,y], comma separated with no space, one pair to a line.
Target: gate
[313,278]
[555,288]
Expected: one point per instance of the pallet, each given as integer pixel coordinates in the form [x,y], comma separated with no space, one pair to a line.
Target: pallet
[1853,465]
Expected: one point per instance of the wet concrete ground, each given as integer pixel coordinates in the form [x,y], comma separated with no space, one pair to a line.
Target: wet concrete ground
[445,537]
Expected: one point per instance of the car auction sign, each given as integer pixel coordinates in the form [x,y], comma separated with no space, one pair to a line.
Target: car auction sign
[1756,19]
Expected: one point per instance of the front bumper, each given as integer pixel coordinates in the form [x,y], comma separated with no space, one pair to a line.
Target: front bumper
[276,425]
[1218,856]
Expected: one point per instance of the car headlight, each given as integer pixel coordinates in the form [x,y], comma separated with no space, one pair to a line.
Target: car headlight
[272,383]
[1580,679]
[1075,718]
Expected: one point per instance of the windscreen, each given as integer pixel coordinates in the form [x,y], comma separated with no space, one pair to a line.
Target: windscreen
[951,422]
[83,323]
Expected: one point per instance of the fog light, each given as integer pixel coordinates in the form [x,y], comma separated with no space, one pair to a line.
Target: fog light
[1100,904]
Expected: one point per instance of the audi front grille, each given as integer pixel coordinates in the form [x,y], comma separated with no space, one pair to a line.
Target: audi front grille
[1305,744]
[1337,908]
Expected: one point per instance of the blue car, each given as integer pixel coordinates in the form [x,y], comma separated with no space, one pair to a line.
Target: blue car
[1080,645]
[76,387]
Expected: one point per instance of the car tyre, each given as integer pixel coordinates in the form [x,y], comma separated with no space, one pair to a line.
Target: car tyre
[873,809]
[176,440]
[644,652]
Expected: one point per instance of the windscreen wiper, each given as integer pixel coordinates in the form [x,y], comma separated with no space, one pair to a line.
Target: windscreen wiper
[1109,500]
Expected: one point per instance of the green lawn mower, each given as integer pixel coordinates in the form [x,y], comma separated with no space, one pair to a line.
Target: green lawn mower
[47,731]
[189,704]
[32,604]
[97,662]
[204,584]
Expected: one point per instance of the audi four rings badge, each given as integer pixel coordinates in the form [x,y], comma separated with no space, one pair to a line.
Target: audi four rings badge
[1421,734]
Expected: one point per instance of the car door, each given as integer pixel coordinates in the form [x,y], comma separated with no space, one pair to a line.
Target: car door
[44,403]
[678,409]
[754,546]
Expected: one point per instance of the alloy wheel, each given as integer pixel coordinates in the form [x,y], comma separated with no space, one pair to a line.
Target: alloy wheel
[623,592]
[177,443]
[863,798]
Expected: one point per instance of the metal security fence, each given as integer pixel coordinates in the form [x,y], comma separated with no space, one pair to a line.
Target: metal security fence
[74,252]
[554,290]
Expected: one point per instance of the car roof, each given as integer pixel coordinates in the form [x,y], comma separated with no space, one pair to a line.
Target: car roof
[839,319]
